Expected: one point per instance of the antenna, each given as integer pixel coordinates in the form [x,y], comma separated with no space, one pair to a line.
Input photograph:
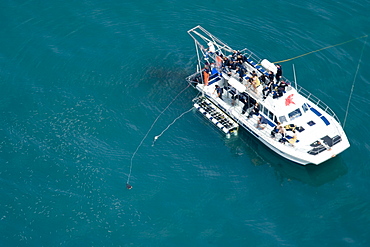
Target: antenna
[353,83]
[295,78]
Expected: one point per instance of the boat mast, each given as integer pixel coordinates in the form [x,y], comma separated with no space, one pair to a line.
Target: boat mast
[295,78]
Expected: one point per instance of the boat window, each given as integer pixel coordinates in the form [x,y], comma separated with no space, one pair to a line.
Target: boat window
[271,116]
[282,119]
[261,107]
[294,114]
[305,107]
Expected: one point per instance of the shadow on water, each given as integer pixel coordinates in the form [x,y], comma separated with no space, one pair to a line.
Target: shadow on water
[285,169]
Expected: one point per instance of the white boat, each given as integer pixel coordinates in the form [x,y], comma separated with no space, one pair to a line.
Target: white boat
[313,133]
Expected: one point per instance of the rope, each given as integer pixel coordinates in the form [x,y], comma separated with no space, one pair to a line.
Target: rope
[353,84]
[151,127]
[282,61]
[156,137]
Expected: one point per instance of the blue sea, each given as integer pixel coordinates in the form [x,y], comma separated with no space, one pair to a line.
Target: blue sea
[86,83]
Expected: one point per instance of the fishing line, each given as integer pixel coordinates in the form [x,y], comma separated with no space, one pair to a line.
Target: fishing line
[282,61]
[353,84]
[156,137]
[128,186]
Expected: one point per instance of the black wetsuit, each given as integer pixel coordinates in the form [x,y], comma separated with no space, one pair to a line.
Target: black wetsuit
[219,92]
[271,76]
[255,111]
[279,73]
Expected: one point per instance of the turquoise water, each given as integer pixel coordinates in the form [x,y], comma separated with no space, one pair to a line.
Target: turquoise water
[83,81]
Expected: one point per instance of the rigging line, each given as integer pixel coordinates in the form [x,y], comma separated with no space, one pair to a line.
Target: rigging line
[156,137]
[282,61]
[353,84]
[151,127]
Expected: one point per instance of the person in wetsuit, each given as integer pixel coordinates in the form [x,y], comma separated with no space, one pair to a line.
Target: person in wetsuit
[279,72]
[254,111]
[219,91]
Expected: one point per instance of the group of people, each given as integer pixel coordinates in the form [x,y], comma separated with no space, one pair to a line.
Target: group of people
[272,84]
[234,64]
[282,130]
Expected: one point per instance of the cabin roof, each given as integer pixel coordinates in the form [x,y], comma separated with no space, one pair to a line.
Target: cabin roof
[284,105]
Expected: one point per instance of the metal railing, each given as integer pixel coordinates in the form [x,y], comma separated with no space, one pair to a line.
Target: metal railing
[317,102]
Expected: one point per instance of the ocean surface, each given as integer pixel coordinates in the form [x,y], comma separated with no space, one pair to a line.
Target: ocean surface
[82,83]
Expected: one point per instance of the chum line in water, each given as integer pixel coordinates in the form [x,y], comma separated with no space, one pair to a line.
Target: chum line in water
[128,186]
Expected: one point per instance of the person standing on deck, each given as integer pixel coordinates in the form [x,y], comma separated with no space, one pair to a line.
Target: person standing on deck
[293,140]
[263,79]
[219,60]
[226,62]
[282,132]
[275,130]
[267,89]
[271,76]
[279,72]
[206,73]
[254,111]
[219,91]
[256,83]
